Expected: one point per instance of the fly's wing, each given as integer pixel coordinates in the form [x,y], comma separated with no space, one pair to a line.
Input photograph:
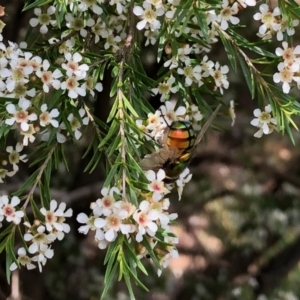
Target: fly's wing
[158,159]
[206,125]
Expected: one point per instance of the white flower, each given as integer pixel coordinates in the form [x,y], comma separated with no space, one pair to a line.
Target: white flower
[8,209]
[74,89]
[170,115]
[268,18]
[148,16]
[145,220]
[75,123]
[165,88]
[23,259]
[55,215]
[284,28]
[73,68]
[39,239]
[43,18]
[20,114]
[192,74]
[264,121]
[286,75]
[112,41]
[289,54]
[79,24]
[157,185]
[227,14]
[49,77]
[88,221]
[89,86]
[105,205]
[28,135]
[220,77]
[44,253]
[47,117]
[14,155]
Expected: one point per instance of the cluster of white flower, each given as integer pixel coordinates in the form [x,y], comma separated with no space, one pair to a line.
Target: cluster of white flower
[264,121]
[41,234]
[273,23]
[289,68]
[113,216]
[17,70]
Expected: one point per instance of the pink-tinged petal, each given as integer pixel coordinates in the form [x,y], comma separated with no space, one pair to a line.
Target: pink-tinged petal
[34,22]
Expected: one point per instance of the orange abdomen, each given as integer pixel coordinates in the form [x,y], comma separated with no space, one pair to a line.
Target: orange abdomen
[181,136]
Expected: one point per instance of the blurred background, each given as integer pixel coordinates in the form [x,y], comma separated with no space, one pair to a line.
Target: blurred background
[239,217]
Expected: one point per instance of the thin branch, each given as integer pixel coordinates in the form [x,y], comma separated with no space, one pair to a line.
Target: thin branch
[39,176]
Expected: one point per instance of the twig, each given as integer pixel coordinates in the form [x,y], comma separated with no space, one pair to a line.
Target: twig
[39,176]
